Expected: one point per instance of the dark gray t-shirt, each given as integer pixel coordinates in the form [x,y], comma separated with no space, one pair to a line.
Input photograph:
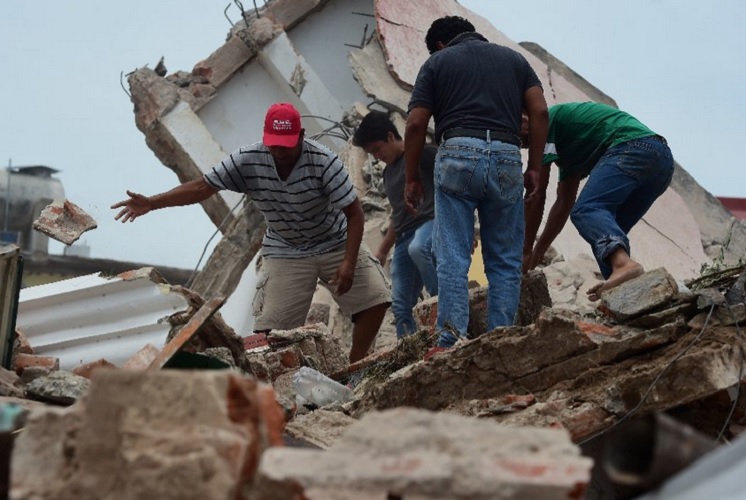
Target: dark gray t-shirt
[473,83]
[393,182]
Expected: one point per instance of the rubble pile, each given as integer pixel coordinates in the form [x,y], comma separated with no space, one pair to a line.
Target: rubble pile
[652,345]
[580,373]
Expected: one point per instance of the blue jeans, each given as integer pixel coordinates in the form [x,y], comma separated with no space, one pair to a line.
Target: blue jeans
[486,176]
[412,266]
[621,188]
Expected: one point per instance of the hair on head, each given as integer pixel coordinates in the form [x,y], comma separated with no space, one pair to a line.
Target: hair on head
[446,29]
[374,127]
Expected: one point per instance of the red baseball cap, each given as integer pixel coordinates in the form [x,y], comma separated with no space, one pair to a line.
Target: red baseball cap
[282,125]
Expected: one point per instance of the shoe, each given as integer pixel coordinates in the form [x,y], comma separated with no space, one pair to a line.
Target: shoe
[433,351]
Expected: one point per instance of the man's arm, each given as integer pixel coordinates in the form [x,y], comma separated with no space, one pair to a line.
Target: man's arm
[567,190]
[414,140]
[538,125]
[185,194]
[388,241]
[534,212]
[346,270]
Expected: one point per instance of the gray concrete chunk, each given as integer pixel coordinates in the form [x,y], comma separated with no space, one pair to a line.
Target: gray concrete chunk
[639,295]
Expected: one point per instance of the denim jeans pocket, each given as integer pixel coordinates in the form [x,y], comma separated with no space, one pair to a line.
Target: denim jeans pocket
[510,177]
[639,159]
[455,169]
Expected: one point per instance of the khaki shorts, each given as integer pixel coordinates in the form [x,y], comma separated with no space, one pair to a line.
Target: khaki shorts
[286,287]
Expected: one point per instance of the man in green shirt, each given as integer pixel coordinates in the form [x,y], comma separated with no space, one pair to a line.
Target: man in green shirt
[628,167]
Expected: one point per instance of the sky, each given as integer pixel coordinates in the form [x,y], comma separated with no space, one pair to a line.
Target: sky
[678,65]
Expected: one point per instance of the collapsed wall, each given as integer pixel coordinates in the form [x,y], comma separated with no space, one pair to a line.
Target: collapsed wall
[369,56]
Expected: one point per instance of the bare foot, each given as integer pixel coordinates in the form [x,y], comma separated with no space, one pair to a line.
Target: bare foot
[625,273]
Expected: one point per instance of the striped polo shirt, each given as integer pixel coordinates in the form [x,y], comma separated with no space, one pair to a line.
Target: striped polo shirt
[304,212]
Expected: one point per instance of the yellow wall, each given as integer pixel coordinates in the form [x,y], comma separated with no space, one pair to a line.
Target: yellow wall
[476,271]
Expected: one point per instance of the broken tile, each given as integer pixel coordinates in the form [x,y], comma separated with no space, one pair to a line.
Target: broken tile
[64,221]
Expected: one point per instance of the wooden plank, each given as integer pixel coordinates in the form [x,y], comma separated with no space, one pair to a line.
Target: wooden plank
[187,332]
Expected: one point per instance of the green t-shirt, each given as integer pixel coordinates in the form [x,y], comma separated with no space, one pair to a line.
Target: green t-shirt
[581,132]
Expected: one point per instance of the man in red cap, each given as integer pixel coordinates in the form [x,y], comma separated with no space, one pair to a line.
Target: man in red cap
[314,227]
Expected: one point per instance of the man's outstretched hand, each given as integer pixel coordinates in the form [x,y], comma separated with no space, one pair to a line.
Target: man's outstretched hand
[132,208]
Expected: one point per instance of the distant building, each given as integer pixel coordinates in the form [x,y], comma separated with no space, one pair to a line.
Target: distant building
[24,194]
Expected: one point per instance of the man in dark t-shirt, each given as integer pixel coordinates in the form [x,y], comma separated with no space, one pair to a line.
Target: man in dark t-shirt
[475,91]
[412,265]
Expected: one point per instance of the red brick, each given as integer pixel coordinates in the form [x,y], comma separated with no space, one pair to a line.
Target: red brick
[22,361]
[289,358]
[597,328]
[87,369]
[518,400]
[142,358]
[21,344]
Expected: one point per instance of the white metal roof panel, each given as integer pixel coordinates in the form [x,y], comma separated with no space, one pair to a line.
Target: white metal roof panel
[84,319]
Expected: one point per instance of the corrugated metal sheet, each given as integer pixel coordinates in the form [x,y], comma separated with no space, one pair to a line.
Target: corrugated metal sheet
[11,265]
[92,317]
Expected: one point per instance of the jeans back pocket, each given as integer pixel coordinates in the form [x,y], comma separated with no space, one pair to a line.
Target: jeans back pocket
[455,167]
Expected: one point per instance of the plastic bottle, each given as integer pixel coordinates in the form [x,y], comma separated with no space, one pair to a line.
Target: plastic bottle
[319,389]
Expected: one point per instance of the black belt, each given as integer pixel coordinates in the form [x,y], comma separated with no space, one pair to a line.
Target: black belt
[497,135]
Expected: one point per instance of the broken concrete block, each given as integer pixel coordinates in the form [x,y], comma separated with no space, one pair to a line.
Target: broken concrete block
[22,361]
[639,295]
[225,61]
[86,370]
[169,434]
[221,354]
[534,298]
[58,387]
[663,317]
[418,454]
[426,313]
[40,453]
[311,345]
[10,384]
[732,315]
[64,221]
[34,372]
[321,428]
